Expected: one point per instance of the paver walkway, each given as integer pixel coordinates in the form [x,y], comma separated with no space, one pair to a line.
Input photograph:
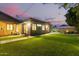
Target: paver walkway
[13,40]
[24,38]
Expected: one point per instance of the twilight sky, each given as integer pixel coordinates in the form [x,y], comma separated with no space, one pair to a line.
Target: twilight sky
[50,12]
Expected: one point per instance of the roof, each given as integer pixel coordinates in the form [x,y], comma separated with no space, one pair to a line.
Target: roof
[64,27]
[7,17]
[37,20]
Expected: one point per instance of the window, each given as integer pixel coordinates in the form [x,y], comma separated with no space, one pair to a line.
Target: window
[67,30]
[38,24]
[9,27]
[33,26]
[16,28]
[43,27]
[47,27]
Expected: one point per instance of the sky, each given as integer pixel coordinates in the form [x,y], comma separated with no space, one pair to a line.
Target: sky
[48,12]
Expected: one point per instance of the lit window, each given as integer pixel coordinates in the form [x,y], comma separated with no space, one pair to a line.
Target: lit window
[16,28]
[9,27]
[28,24]
[47,27]
[33,26]
[67,30]
[38,24]
[43,27]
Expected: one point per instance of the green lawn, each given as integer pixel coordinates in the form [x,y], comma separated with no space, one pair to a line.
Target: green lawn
[48,45]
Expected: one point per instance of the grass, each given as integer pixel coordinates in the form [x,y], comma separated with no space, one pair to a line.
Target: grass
[10,37]
[47,45]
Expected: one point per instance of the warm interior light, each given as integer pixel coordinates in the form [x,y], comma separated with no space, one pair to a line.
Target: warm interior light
[16,28]
[33,26]
[38,24]
[47,27]
[29,24]
[67,30]
[9,27]
[43,27]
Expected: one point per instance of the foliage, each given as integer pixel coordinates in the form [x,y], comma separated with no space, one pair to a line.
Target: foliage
[72,16]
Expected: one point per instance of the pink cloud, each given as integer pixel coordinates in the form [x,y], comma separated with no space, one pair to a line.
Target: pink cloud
[13,10]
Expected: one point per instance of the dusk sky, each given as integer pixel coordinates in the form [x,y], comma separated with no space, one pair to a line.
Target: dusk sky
[37,10]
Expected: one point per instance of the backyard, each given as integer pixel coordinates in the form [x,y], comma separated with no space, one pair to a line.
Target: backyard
[45,45]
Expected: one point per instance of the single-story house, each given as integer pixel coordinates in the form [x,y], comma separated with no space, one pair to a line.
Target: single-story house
[67,29]
[7,24]
[31,26]
[34,26]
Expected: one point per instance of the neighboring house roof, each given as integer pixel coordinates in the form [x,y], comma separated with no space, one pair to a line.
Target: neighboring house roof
[6,17]
[63,27]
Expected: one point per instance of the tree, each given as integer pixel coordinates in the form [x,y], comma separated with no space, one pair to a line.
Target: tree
[72,16]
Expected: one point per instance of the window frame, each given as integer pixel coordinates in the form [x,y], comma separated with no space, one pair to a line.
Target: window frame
[9,26]
[33,26]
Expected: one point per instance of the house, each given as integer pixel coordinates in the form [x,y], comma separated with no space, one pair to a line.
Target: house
[7,24]
[31,26]
[67,29]
[34,26]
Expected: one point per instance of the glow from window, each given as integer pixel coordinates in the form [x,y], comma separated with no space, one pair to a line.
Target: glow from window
[43,27]
[38,24]
[33,26]
[9,27]
[16,28]
[29,24]
[67,30]
[47,27]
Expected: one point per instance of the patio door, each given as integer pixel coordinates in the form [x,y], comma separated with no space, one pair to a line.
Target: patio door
[24,28]
[39,30]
